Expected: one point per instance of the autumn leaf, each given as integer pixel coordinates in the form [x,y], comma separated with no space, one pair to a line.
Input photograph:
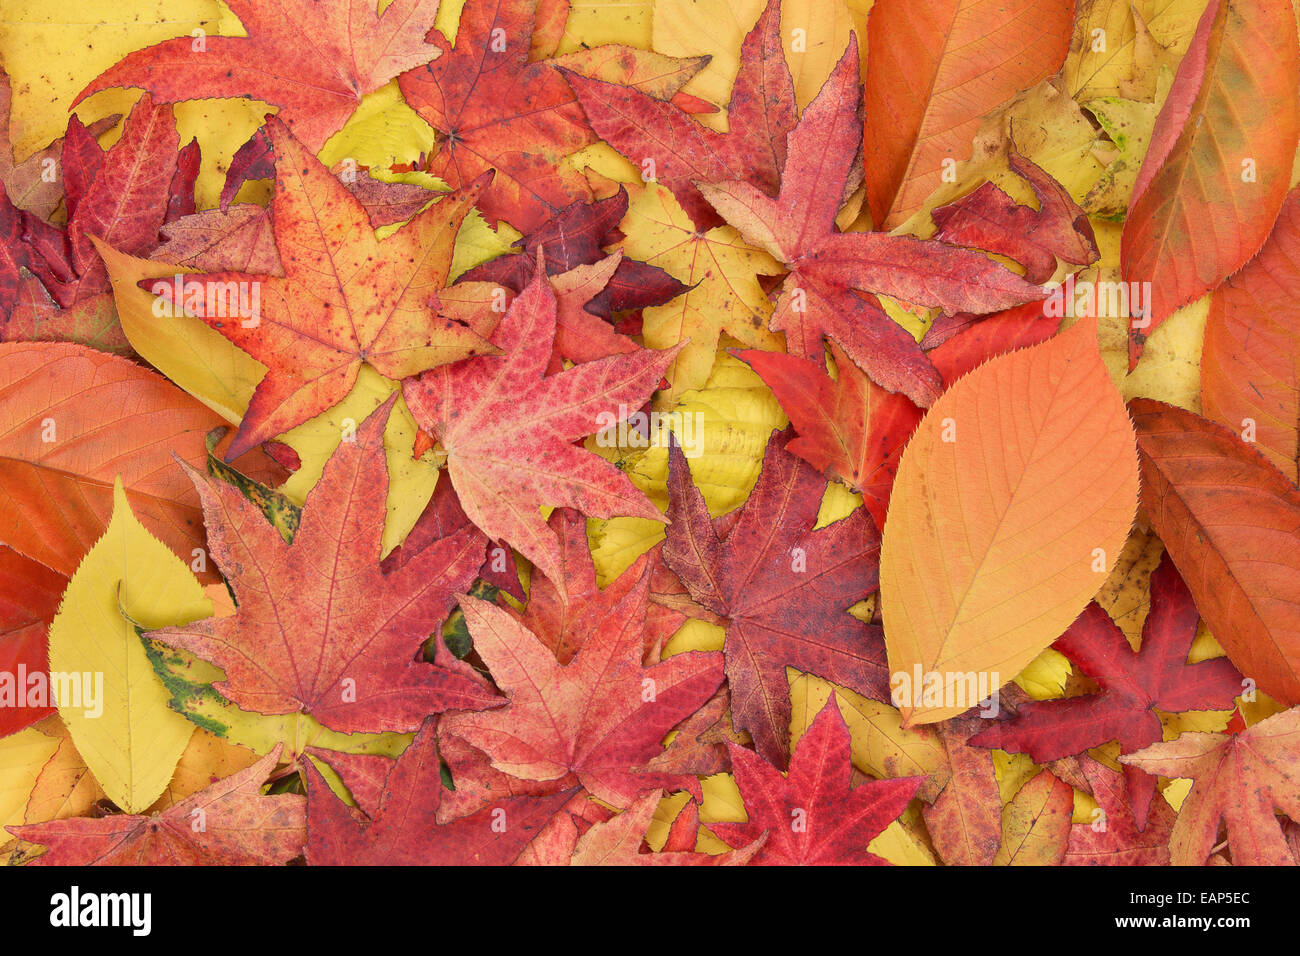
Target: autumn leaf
[994,514]
[1133,685]
[492,415]
[782,587]
[674,149]
[349,654]
[1228,520]
[828,268]
[403,829]
[1036,823]
[810,815]
[937,67]
[617,842]
[311,335]
[1249,367]
[1214,178]
[349,52]
[240,827]
[1237,781]
[598,718]
[1111,837]
[29,597]
[60,452]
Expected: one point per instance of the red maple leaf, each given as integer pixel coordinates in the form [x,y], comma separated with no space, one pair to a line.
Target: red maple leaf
[810,815]
[783,588]
[1133,685]
[313,60]
[596,719]
[649,130]
[508,428]
[122,196]
[240,827]
[402,827]
[319,627]
[1112,837]
[829,268]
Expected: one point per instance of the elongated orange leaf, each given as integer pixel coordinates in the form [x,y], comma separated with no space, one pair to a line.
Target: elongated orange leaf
[1218,167]
[1231,522]
[72,419]
[1012,502]
[934,69]
[1250,368]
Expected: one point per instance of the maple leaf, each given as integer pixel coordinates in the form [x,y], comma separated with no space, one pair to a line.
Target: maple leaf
[319,627]
[682,151]
[1133,685]
[497,107]
[854,431]
[345,298]
[783,589]
[403,827]
[508,428]
[810,815]
[241,827]
[1237,780]
[121,196]
[596,719]
[827,268]
[562,616]
[313,60]
[1112,837]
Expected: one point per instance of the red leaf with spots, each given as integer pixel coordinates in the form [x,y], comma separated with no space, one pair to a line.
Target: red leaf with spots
[597,719]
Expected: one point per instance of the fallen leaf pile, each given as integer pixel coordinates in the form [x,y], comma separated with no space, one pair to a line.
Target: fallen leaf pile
[680,432]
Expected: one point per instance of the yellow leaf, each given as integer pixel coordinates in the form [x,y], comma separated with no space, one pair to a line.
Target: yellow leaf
[1012,502]
[115,707]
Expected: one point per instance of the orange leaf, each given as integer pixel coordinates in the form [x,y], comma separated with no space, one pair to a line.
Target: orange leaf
[1250,369]
[1230,522]
[1217,169]
[1012,502]
[934,69]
